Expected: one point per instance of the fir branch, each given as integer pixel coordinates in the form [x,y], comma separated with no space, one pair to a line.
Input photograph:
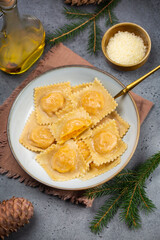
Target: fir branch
[68,31]
[131,202]
[105,189]
[128,194]
[129,209]
[100,11]
[106,212]
[145,169]
[125,175]
[111,5]
[74,13]
[71,30]
[122,180]
[146,204]
[112,19]
[94,41]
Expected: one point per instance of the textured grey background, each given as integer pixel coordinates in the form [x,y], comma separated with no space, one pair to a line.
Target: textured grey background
[54,218]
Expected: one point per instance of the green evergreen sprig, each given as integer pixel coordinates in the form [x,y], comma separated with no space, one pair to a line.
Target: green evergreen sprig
[74,13]
[85,19]
[111,19]
[127,193]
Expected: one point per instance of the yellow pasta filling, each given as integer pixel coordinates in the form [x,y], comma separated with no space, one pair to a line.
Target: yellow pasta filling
[64,160]
[73,128]
[52,102]
[92,101]
[41,137]
[104,142]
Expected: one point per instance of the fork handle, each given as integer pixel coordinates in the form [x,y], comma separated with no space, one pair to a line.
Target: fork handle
[135,83]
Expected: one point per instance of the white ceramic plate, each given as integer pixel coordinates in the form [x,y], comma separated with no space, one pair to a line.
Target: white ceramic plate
[23,106]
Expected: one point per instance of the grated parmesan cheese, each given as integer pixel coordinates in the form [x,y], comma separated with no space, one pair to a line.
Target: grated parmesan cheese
[126,48]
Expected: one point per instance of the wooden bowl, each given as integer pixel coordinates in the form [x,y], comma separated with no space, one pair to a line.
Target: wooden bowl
[132,28]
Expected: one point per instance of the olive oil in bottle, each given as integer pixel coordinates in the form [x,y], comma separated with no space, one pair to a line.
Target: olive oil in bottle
[22,39]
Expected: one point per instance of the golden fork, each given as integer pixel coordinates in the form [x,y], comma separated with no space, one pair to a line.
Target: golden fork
[135,83]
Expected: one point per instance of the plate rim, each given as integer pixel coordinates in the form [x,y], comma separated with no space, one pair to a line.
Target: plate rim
[62,67]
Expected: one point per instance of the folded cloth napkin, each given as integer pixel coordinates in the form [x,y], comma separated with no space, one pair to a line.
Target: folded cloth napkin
[57,56]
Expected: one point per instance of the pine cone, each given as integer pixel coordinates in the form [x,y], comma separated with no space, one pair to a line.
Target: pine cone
[82,2]
[14,213]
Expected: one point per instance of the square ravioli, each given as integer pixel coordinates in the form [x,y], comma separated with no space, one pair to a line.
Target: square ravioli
[96,100]
[36,137]
[94,170]
[71,125]
[62,162]
[105,144]
[122,125]
[52,100]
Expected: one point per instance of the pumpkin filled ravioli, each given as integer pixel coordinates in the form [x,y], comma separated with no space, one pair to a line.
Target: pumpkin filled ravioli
[71,125]
[105,144]
[62,162]
[96,100]
[36,137]
[52,100]
[76,131]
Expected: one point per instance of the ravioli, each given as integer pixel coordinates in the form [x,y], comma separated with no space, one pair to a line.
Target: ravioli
[36,137]
[62,162]
[96,100]
[51,101]
[71,125]
[105,144]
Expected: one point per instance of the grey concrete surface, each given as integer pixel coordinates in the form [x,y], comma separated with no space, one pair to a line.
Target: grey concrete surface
[60,220]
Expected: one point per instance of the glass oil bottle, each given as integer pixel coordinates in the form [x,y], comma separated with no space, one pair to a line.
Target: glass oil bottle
[22,39]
